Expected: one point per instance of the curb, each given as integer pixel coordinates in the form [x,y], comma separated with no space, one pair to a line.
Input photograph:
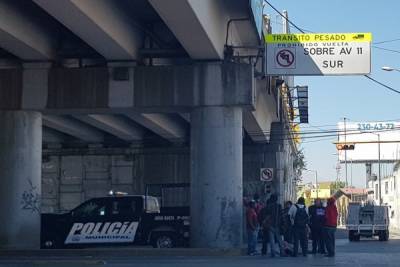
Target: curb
[123,252]
[67,262]
[54,262]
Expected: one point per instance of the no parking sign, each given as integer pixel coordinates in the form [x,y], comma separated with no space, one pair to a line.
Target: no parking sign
[266,174]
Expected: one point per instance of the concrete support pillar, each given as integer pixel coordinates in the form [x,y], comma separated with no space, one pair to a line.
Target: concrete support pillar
[216,177]
[20,179]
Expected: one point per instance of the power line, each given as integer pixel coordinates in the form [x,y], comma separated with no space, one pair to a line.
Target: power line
[352,130]
[288,136]
[292,27]
[288,20]
[333,131]
[387,41]
[384,85]
[385,49]
[318,140]
[335,125]
[315,138]
[368,77]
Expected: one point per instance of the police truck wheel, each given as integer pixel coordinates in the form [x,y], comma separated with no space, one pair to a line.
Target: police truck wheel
[384,236]
[163,240]
[351,236]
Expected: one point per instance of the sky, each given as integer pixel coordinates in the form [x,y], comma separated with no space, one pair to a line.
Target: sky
[354,97]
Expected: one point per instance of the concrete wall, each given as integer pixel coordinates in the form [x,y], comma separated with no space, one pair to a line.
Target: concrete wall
[70,177]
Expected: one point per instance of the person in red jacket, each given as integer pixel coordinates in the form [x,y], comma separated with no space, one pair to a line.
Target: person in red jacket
[252,228]
[331,215]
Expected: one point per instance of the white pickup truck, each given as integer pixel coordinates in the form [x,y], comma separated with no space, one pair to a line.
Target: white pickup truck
[367,221]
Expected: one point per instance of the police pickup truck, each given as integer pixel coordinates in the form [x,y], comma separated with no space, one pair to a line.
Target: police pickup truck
[117,219]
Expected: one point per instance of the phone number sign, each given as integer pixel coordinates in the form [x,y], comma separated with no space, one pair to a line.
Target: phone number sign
[319,54]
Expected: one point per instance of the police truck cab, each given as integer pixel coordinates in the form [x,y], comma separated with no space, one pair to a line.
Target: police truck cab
[117,219]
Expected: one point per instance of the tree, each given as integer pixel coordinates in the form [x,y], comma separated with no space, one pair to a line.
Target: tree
[337,185]
[299,164]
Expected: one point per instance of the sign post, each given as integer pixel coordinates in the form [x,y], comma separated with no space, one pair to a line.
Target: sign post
[319,54]
[266,174]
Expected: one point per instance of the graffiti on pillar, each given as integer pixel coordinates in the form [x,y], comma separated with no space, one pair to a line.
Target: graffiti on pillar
[31,199]
[229,226]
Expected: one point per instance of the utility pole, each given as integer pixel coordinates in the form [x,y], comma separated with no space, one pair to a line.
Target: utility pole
[379,169]
[351,172]
[351,179]
[316,181]
[345,152]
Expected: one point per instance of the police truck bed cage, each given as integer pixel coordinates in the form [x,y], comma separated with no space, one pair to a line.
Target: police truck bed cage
[367,221]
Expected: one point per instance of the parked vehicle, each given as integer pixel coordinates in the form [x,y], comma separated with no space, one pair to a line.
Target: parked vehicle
[367,221]
[117,219]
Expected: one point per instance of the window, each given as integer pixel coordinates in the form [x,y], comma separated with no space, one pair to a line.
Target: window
[90,208]
[386,187]
[152,205]
[115,208]
[175,196]
[123,207]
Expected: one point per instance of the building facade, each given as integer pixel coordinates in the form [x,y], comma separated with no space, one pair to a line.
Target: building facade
[390,194]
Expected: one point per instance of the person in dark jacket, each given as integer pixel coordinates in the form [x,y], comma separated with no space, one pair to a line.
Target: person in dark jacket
[286,229]
[317,222]
[272,222]
[259,205]
[263,229]
[331,215]
[299,217]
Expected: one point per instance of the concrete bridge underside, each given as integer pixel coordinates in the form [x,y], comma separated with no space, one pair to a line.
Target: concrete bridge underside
[103,74]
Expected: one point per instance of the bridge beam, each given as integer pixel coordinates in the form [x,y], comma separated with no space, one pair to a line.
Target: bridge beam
[103,24]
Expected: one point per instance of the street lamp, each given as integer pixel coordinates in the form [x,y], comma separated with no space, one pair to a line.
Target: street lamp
[316,178]
[386,68]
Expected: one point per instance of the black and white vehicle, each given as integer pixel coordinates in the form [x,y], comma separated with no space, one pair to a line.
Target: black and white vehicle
[117,220]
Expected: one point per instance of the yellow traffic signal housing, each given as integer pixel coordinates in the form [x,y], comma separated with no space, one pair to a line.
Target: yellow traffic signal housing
[345,146]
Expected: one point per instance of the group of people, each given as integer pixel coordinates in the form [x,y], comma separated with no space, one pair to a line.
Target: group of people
[284,229]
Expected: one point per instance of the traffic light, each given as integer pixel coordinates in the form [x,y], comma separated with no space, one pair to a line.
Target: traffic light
[345,146]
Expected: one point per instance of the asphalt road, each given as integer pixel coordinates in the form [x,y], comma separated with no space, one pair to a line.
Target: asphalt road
[366,253]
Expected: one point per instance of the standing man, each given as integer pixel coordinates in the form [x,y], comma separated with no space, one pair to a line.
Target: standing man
[272,221]
[259,205]
[286,229]
[317,222]
[252,228]
[265,223]
[299,217]
[331,215]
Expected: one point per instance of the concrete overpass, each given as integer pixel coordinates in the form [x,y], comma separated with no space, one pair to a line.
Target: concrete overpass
[87,85]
